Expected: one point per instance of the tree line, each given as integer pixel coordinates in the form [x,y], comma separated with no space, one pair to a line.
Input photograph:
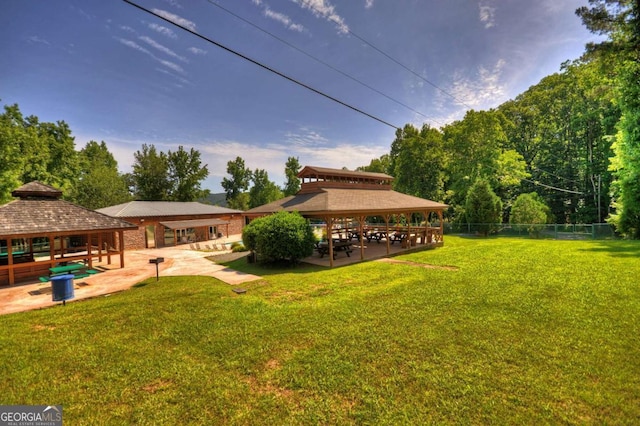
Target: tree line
[573,138]
[31,150]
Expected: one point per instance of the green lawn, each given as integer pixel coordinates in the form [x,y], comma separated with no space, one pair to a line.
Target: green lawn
[517,331]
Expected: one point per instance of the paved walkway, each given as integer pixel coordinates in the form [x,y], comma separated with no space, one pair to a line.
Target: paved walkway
[177,261]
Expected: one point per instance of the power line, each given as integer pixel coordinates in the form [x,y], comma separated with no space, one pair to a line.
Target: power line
[261,65]
[216,4]
[382,52]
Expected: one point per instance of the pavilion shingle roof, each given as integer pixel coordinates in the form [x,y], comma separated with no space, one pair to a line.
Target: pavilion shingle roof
[349,201]
[164,208]
[40,216]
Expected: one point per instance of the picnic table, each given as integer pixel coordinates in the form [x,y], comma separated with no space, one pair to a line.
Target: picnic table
[78,270]
[338,245]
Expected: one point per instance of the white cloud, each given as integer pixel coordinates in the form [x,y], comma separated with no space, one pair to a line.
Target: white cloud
[127,29]
[197,51]
[177,77]
[168,32]
[487,13]
[174,3]
[36,39]
[151,42]
[323,9]
[368,4]
[175,19]
[282,18]
[484,90]
[135,46]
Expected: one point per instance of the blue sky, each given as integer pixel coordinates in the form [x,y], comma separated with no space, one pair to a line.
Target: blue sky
[119,75]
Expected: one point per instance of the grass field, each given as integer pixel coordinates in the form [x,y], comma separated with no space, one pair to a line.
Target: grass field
[500,331]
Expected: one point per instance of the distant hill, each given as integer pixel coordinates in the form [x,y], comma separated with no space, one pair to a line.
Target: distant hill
[219,199]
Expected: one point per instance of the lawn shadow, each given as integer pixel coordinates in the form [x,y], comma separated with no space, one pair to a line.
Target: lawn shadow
[274,268]
[616,248]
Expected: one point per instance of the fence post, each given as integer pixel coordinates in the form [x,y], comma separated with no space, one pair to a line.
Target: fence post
[555,230]
[593,231]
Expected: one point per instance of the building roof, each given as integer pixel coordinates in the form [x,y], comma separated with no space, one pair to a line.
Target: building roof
[40,216]
[164,208]
[349,202]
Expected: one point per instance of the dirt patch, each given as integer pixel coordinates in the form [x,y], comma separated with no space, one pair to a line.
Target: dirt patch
[419,265]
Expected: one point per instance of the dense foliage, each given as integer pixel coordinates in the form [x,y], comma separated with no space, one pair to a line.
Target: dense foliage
[530,211]
[483,207]
[280,236]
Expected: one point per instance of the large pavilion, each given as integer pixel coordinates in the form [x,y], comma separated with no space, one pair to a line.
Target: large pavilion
[358,204]
[39,231]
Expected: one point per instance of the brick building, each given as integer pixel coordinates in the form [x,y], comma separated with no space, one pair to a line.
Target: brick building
[169,223]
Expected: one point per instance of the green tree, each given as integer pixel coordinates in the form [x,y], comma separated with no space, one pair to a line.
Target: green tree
[483,207]
[378,165]
[151,174]
[417,162]
[100,184]
[620,21]
[237,185]
[474,145]
[530,211]
[11,164]
[186,174]
[263,190]
[280,236]
[291,170]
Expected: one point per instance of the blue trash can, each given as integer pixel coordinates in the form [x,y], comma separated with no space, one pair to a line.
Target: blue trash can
[62,287]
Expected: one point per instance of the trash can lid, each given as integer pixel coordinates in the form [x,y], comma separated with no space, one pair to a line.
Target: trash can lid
[62,277]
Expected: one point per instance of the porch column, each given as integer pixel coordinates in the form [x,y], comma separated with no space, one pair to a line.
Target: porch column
[12,279]
[121,244]
[90,252]
[386,222]
[361,220]
[330,222]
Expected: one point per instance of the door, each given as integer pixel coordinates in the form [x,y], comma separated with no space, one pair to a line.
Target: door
[150,233]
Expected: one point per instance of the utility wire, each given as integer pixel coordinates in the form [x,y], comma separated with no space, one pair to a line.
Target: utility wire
[382,52]
[261,65]
[216,4]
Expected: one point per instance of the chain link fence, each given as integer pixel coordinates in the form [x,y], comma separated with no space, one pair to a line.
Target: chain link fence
[594,231]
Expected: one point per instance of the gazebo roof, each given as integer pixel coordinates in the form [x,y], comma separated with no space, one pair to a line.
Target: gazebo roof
[337,202]
[39,211]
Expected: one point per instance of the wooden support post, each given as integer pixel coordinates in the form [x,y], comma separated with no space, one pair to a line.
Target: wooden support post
[361,220]
[121,238]
[89,252]
[100,247]
[387,217]
[12,278]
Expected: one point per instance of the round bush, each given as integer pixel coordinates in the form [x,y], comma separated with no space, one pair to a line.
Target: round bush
[280,236]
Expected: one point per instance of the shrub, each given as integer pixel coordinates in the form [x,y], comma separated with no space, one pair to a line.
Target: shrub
[531,211]
[280,236]
[237,247]
[483,207]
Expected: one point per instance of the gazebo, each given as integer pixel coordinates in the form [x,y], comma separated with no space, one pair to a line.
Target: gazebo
[39,231]
[344,200]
